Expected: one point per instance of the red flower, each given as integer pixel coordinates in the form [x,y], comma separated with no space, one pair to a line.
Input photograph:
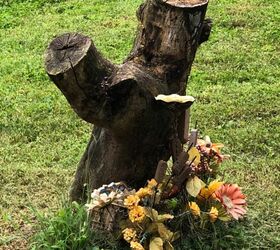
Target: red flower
[232,199]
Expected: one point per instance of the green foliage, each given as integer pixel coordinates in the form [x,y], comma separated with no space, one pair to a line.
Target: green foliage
[68,229]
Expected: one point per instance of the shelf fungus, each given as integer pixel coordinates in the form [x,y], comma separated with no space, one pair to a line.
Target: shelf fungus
[175,98]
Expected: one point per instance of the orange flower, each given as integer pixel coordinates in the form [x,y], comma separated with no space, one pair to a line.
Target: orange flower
[136,246]
[194,208]
[232,199]
[213,214]
[209,147]
[131,201]
[137,214]
[142,192]
[207,144]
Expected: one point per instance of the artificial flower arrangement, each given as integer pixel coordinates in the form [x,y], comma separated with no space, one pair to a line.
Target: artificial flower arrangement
[185,195]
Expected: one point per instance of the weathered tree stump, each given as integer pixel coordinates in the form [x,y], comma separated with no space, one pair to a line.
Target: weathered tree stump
[132,130]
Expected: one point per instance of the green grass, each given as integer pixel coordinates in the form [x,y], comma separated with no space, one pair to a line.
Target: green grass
[68,227]
[235,79]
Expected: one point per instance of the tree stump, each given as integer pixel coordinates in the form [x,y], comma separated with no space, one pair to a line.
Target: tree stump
[132,131]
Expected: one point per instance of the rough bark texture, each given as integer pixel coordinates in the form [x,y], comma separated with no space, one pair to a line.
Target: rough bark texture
[132,131]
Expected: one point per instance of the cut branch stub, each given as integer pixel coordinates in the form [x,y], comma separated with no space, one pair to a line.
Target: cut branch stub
[206,30]
[168,37]
[79,71]
[186,3]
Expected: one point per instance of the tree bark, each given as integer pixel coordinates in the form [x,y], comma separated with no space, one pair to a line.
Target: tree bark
[132,131]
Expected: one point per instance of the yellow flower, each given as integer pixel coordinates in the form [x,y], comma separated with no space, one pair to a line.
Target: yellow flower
[137,214]
[152,183]
[194,208]
[206,193]
[131,201]
[215,185]
[142,192]
[213,214]
[129,234]
[136,246]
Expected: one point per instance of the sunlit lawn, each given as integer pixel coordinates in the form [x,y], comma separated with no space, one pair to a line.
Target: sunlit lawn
[235,80]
